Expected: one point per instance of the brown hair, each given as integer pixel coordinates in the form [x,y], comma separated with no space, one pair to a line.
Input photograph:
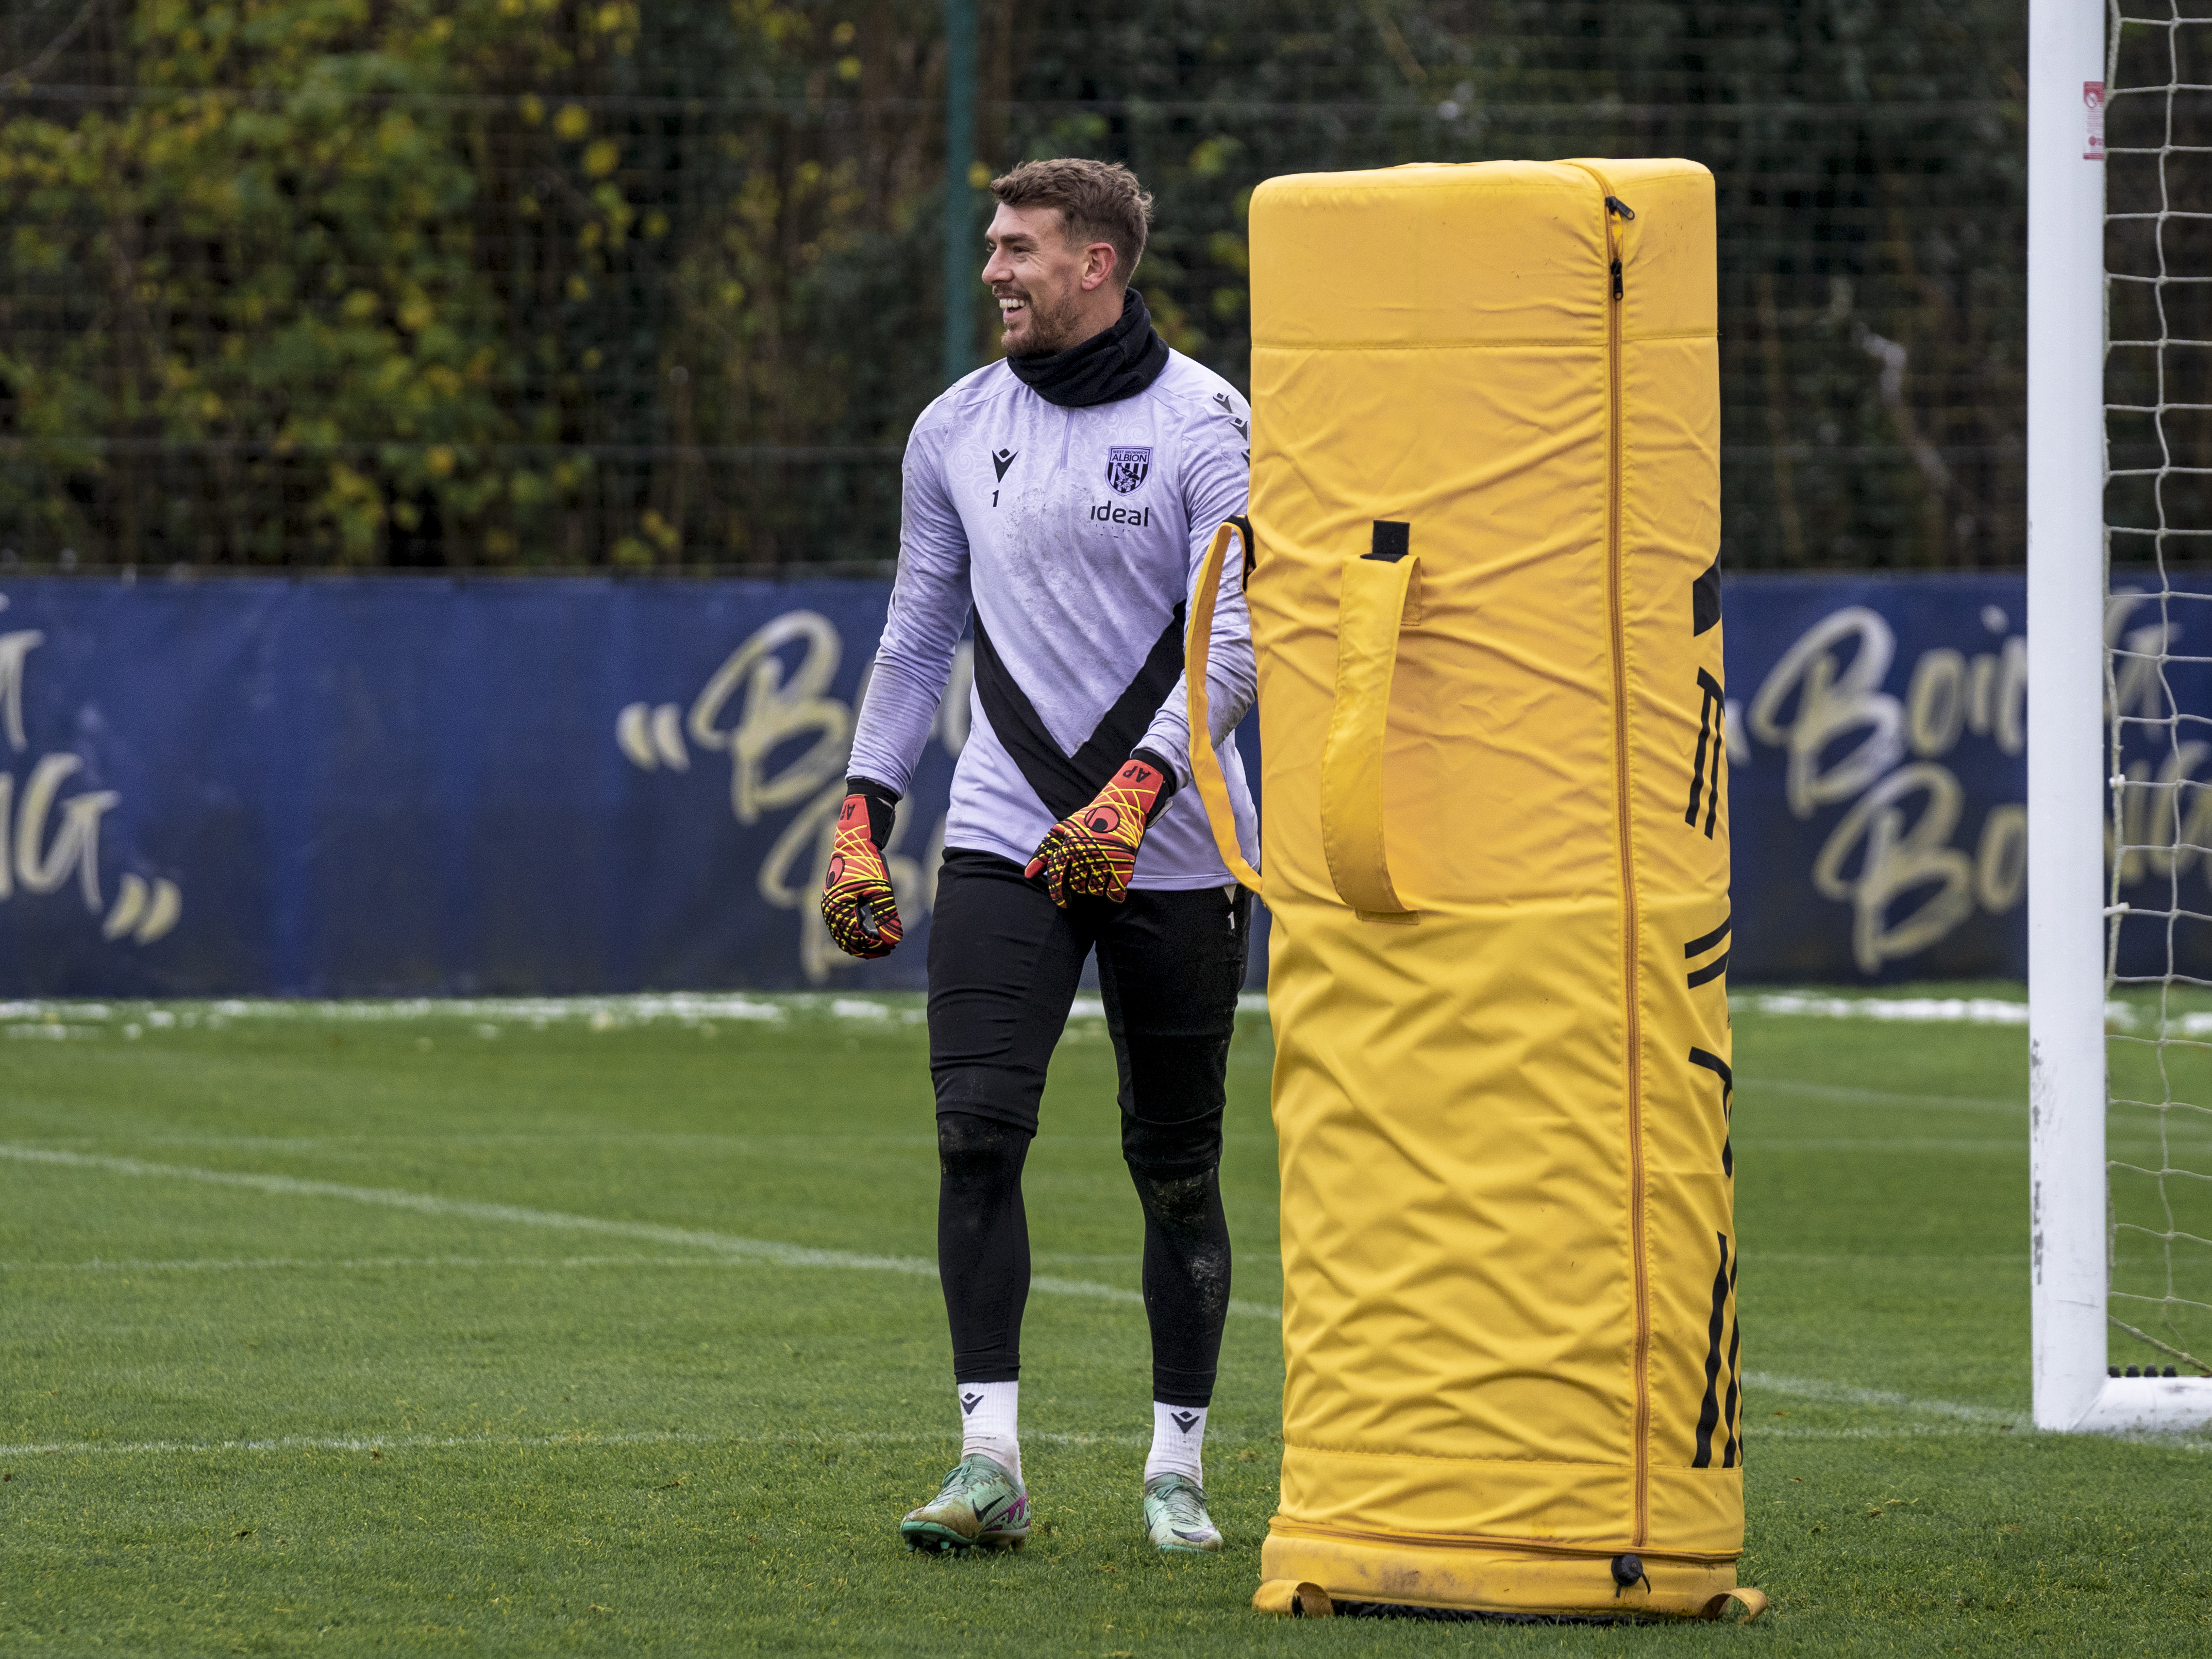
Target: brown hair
[1099,202]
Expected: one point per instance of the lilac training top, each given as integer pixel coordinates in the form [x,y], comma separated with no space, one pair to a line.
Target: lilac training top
[1074,534]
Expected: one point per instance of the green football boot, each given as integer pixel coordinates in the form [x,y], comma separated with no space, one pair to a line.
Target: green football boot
[979,1503]
[1175,1518]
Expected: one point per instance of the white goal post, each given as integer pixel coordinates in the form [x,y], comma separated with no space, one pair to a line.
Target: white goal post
[2069,740]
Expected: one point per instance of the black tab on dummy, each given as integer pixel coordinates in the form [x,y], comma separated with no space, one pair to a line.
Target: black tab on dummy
[1392,541]
[1066,783]
[1251,552]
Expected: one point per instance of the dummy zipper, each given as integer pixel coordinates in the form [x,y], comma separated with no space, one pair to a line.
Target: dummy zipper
[1617,209]
[1615,204]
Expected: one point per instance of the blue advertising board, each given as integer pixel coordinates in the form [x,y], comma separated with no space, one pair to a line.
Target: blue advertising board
[1877,787]
[416,786]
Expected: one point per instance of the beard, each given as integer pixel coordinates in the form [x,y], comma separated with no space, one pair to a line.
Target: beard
[1052,327]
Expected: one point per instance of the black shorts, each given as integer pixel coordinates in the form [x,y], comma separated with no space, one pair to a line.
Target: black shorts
[1004,964]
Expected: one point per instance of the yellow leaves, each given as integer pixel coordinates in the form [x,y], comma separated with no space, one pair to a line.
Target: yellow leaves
[978,176]
[578,289]
[632,554]
[532,107]
[608,198]
[775,24]
[572,123]
[356,506]
[617,19]
[602,157]
[844,33]
[592,359]
[656,224]
[593,234]
[1212,158]
[848,69]
[440,459]
[361,305]
[665,536]
[1226,249]
[416,313]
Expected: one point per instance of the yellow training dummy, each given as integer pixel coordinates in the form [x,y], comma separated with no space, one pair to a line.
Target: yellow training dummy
[1485,603]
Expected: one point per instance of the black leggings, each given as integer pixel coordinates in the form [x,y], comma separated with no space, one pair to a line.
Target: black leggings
[1004,964]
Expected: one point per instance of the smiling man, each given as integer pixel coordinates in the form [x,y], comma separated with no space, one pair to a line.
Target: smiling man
[1064,495]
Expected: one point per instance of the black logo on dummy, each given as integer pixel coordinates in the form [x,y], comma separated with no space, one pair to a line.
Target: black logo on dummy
[1002,459]
[1126,469]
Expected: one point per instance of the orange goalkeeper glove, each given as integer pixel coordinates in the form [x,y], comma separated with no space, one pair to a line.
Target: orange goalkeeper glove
[1092,852]
[857,904]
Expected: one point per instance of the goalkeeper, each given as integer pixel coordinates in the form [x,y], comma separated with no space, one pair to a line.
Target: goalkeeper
[1066,496]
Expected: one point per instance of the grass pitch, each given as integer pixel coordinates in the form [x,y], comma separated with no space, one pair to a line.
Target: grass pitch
[493,1328]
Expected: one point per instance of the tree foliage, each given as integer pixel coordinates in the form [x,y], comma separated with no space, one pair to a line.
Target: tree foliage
[415,281]
[654,282]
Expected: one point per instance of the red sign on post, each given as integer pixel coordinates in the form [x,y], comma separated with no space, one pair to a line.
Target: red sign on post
[2093,108]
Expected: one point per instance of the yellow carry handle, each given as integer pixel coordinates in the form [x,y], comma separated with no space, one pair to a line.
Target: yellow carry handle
[1370,604]
[1204,762]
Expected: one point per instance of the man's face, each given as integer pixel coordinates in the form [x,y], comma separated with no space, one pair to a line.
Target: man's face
[1048,286]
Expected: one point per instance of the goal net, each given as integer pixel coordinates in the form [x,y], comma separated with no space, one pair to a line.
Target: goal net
[2158,685]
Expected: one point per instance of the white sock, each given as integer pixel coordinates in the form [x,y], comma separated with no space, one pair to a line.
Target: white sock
[1178,1439]
[989,1416]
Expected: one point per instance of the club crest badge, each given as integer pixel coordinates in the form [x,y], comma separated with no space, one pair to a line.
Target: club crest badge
[1126,469]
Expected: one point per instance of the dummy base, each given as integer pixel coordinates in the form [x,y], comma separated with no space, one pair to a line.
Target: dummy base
[1307,1572]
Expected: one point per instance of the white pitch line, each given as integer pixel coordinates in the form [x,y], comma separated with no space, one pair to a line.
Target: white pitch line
[582,1439]
[588,1440]
[1784,1086]
[767,1251]
[1843,1393]
[358,1263]
[1961,1146]
[287,1443]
